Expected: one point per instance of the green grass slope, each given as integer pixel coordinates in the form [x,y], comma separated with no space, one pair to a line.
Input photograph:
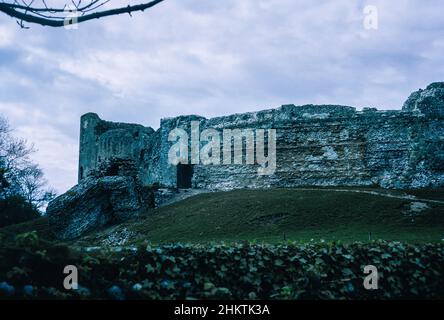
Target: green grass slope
[293,214]
[275,215]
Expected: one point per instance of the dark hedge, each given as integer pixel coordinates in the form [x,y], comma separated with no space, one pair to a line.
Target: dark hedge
[236,271]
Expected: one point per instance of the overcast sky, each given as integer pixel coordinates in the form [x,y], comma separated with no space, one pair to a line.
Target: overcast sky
[210,57]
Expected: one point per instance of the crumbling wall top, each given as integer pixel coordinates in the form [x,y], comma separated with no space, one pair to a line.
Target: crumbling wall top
[429,101]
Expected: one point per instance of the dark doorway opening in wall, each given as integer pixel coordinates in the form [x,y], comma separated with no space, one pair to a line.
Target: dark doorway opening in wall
[113,170]
[184,176]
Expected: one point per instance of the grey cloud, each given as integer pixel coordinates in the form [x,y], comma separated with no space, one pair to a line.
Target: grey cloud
[211,58]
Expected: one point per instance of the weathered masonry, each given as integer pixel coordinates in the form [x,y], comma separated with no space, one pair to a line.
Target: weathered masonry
[318,145]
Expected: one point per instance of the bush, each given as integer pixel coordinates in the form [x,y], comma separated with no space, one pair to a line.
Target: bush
[239,271]
[15,209]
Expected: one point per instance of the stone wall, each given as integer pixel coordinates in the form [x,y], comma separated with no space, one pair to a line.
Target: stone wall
[101,141]
[316,145]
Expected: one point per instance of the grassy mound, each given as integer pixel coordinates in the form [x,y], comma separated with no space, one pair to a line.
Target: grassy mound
[278,215]
[295,214]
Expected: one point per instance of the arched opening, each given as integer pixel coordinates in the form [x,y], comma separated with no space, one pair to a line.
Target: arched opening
[184,176]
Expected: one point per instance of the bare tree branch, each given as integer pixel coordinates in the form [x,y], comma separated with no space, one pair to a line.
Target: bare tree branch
[49,16]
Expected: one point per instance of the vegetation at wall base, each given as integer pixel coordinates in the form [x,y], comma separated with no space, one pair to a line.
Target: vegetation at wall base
[15,209]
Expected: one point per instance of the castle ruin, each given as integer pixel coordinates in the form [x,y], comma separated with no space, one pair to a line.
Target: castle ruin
[316,145]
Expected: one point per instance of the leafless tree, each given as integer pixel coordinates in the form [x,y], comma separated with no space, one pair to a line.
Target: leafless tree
[19,175]
[66,13]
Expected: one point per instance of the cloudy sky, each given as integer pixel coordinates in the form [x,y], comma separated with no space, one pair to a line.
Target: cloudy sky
[210,57]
